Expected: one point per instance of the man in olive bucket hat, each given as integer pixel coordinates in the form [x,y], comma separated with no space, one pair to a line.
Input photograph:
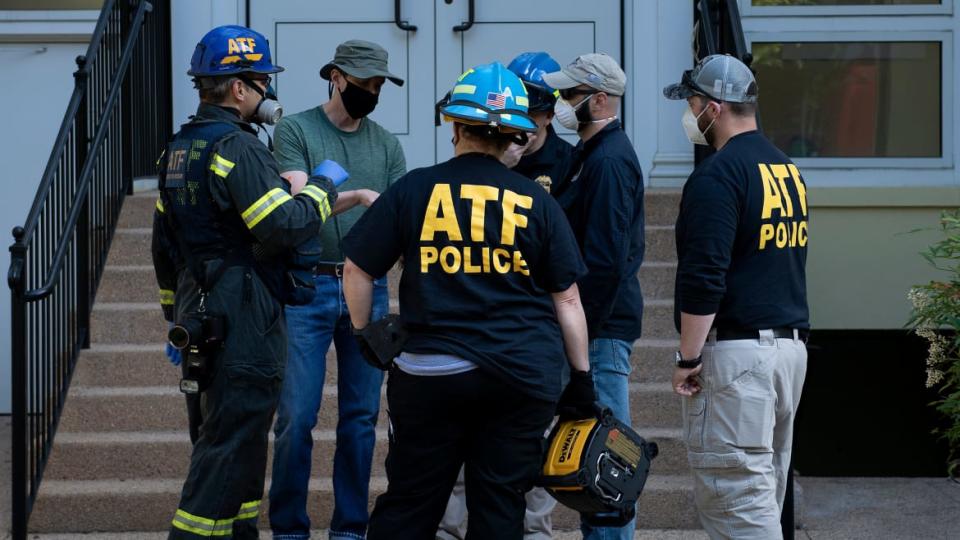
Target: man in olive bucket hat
[338,130]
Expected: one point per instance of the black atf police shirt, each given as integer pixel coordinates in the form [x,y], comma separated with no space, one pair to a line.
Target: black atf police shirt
[550,165]
[604,204]
[483,247]
[742,238]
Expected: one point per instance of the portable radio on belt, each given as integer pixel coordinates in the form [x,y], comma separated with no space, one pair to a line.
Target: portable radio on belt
[598,467]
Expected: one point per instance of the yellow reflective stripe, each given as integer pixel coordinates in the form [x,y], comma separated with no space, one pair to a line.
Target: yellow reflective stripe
[160,206]
[205,526]
[254,57]
[522,100]
[221,166]
[320,196]
[465,89]
[196,519]
[256,212]
[166,297]
[248,505]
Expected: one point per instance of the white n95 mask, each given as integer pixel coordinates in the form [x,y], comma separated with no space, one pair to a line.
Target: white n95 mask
[692,128]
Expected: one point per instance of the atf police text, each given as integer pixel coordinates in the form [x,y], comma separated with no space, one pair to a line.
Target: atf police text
[440,218]
[787,227]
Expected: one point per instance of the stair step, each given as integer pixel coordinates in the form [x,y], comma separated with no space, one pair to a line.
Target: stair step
[661,206]
[162,408]
[128,322]
[658,319]
[137,211]
[558,534]
[130,247]
[127,365]
[132,283]
[138,283]
[660,244]
[657,280]
[148,505]
[166,454]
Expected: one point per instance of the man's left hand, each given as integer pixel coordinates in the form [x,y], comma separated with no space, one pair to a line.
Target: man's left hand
[686,381]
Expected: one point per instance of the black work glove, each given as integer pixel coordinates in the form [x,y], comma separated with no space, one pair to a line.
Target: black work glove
[578,400]
[381,341]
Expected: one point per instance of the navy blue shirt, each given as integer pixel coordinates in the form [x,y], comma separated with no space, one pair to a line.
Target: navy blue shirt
[742,239]
[483,247]
[604,204]
[550,165]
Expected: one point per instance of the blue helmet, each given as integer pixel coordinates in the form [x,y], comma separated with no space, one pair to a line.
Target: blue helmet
[530,67]
[489,95]
[231,49]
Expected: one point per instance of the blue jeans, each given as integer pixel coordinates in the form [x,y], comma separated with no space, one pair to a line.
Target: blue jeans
[311,329]
[610,364]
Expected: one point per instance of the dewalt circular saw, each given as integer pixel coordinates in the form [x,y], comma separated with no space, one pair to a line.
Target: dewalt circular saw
[598,467]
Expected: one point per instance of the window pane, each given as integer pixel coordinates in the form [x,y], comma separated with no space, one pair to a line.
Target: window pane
[843,2]
[851,99]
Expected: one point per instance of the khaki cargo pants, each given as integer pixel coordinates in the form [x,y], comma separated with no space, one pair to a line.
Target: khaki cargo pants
[739,432]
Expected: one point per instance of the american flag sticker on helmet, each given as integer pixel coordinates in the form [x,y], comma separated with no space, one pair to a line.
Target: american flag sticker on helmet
[496,100]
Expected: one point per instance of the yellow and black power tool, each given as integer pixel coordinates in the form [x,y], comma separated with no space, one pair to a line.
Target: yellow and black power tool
[598,467]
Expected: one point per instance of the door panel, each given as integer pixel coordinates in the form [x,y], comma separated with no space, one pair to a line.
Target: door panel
[305,33]
[503,29]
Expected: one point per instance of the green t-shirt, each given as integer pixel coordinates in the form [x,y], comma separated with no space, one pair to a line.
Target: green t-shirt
[371,154]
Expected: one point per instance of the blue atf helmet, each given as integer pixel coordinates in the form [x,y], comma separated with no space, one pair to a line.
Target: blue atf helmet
[489,95]
[530,67]
[231,49]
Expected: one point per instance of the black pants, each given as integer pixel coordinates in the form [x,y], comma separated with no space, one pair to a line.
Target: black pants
[222,493]
[437,425]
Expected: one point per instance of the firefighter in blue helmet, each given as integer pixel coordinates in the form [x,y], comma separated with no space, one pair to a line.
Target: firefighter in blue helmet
[226,231]
[489,303]
[546,158]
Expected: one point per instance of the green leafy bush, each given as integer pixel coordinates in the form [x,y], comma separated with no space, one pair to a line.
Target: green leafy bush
[936,318]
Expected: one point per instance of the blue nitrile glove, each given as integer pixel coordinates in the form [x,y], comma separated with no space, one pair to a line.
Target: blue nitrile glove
[332,170]
[173,353]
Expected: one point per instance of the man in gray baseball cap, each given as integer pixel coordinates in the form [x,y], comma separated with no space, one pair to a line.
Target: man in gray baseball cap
[337,130]
[718,82]
[740,304]
[604,204]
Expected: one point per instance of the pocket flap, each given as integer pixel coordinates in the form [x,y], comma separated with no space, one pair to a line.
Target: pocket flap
[712,460]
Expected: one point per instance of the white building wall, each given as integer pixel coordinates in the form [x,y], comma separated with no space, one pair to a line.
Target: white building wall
[37,51]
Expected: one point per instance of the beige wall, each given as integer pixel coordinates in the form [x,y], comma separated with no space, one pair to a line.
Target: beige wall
[863,259]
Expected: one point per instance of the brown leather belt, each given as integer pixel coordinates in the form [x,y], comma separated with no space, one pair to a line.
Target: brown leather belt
[329,269]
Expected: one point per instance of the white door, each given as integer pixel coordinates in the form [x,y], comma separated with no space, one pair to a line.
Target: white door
[502,29]
[304,35]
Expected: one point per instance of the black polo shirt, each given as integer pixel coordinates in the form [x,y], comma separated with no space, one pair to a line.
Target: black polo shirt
[604,204]
[483,247]
[550,165]
[742,239]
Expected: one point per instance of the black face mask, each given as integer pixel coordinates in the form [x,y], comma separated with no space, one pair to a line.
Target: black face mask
[357,101]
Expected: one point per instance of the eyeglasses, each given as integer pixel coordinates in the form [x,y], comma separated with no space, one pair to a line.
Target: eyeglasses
[265,80]
[568,93]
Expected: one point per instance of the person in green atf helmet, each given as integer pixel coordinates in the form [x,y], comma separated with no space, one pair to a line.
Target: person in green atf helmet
[224,228]
[490,305]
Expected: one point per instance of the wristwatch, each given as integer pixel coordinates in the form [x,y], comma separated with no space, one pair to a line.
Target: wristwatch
[687,364]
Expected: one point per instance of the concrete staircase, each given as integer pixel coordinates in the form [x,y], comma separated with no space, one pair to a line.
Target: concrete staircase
[122,449]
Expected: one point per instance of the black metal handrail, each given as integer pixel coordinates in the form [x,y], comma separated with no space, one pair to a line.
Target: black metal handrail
[122,83]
